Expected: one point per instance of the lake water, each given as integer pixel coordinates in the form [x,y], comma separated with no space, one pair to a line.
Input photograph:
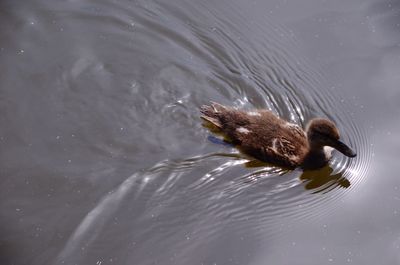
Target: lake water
[104,159]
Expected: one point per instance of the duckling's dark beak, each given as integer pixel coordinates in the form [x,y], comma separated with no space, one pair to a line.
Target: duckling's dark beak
[344,149]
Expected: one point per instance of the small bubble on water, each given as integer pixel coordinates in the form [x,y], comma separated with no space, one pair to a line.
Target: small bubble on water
[134,87]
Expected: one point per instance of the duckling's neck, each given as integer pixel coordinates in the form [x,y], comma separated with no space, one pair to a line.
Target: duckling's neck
[316,157]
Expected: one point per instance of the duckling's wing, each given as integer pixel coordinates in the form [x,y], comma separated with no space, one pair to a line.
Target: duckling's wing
[284,148]
[286,153]
[278,151]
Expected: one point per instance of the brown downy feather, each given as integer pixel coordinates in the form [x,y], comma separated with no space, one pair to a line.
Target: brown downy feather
[211,113]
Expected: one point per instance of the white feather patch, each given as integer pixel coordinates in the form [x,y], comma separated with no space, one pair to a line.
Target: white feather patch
[243,130]
[253,113]
[328,151]
[274,147]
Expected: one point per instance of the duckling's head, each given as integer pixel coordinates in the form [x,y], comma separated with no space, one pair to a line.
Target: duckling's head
[323,132]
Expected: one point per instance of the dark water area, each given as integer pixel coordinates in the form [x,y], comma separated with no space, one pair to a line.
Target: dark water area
[104,160]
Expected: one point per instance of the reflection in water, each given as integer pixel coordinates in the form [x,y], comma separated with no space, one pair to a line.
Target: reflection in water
[318,180]
[322,180]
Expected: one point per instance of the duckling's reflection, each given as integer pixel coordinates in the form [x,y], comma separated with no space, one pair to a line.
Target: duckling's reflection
[319,180]
[322,180]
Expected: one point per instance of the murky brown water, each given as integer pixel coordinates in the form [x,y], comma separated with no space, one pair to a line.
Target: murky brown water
[104,160]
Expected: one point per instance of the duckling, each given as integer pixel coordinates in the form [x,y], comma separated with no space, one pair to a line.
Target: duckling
[266,137]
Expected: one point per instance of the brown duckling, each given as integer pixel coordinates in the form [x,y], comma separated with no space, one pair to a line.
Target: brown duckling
[266,137]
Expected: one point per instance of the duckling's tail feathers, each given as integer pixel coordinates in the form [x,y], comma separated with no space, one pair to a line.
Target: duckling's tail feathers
[211,113]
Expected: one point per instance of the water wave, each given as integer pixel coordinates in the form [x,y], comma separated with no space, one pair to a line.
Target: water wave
[195,198]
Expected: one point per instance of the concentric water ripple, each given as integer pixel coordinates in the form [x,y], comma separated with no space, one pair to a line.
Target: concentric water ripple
[195,198]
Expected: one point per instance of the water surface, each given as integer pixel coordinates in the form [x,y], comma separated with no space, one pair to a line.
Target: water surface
[104,159]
